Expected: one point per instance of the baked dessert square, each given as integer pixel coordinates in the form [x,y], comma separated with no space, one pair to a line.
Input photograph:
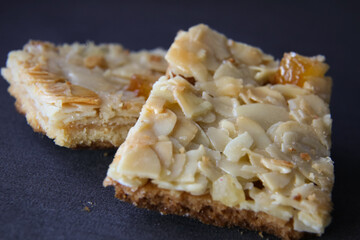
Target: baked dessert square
[233,138]
[82,95]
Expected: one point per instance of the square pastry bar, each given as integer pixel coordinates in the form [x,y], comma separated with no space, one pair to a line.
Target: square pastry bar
[82,95]
[232,138]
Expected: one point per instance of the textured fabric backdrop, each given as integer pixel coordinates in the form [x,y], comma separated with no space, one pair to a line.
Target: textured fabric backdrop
[45,188]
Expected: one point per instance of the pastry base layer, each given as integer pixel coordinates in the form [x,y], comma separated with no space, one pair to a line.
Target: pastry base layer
[202,208]
[85,136]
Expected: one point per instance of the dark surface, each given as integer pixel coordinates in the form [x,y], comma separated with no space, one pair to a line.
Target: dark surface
[44,188]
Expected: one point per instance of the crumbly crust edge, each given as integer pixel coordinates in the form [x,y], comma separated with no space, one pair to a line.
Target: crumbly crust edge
[202,208]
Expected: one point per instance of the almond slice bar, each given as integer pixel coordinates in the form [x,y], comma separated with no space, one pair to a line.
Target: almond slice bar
[232,138]
[82,95]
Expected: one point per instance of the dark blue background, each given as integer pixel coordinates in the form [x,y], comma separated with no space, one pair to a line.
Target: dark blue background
[44,188]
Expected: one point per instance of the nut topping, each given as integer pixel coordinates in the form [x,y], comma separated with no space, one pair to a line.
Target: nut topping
[235,130]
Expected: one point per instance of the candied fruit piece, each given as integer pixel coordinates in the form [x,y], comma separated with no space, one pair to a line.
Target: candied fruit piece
[140,84]
[296,69]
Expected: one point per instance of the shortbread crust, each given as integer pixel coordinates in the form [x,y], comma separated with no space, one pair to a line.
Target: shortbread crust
[231,123]
[82,95]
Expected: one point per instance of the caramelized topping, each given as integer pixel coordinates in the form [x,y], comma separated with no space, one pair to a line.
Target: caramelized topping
[140,84]
[296,69]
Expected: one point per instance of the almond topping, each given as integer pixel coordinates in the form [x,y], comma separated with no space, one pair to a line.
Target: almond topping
[311,197]
[95,61]
[235,136]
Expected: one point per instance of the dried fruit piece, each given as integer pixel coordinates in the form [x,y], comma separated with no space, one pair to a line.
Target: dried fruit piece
[296,69]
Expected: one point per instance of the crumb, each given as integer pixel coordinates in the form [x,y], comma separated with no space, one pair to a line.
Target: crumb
[106,154]
[261,235]
[86,208]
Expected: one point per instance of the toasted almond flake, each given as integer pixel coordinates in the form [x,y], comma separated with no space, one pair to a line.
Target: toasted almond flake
[282,166]
[95,61]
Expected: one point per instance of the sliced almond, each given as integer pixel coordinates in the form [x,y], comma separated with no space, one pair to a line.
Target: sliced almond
[233,150]
[209,169]
[274,180]
[228,190]
[264,114]
[95,61]
[177,167]
[261,140]
[190,168]
[164,123]
[164,150]
[184,131]
[236,169]
[281,166]
[219,138]
[140,162]
[191,105]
